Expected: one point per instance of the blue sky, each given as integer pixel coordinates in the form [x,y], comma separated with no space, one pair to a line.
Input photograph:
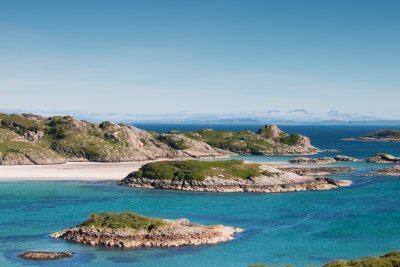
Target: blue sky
[199,56]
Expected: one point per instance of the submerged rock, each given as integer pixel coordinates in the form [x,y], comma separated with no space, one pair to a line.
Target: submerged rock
[132,230]
[44,255]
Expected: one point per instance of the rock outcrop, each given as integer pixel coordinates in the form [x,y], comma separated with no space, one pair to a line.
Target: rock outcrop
[382,158]
[45,255]
[317,171]
[169,233]
[303,160]
[346,158]
[392,171]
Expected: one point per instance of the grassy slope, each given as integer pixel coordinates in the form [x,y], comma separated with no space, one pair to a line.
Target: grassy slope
[198,170]
[125,220]
[245,141]
[68,137]
[391,259]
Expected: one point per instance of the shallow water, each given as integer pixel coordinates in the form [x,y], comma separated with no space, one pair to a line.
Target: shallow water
[283,228]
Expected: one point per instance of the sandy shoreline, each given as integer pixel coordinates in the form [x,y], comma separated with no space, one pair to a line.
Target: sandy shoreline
[85,171]
[78,171]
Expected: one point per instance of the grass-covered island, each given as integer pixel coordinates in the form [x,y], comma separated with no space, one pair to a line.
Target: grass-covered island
[381,135]
[224,176]
[269,140]
[127,229]
[391,259]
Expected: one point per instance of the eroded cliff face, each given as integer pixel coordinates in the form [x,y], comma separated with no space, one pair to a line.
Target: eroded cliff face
[174,233]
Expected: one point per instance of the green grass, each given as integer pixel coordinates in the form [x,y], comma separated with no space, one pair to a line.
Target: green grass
[391,259]
[384,134]
[198,170]
[15,121]
[123,220]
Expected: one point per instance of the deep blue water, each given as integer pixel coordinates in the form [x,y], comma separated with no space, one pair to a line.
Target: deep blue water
[283,228]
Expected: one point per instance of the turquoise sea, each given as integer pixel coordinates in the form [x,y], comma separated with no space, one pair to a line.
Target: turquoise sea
[282,228]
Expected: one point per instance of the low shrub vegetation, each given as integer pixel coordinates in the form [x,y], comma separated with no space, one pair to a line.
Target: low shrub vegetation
[198,170]
[126,220]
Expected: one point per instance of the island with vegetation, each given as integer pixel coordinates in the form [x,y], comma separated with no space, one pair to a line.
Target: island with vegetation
[391,259]
[269,140]
[127,229]
[224,176]
[381,136]
[27,139]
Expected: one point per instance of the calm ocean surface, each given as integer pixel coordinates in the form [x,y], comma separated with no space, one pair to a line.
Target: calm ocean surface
[283,228]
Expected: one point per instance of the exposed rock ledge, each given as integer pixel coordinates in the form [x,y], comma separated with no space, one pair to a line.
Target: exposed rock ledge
[44,255]
[392,171]
[317,170]
[257,184]
[173,233]
[303,160]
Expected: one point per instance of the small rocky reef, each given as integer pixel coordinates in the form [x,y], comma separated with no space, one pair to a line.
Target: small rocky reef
[381,136]
[391,259]
[44,255]
[316,171]
[304,160]
[224,176]
[376,158]
[392,171]
[126,229]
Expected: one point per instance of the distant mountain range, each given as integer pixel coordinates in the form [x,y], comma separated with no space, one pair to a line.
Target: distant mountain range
[295,116]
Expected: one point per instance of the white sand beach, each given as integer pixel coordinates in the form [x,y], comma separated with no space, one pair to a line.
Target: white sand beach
[88,171]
